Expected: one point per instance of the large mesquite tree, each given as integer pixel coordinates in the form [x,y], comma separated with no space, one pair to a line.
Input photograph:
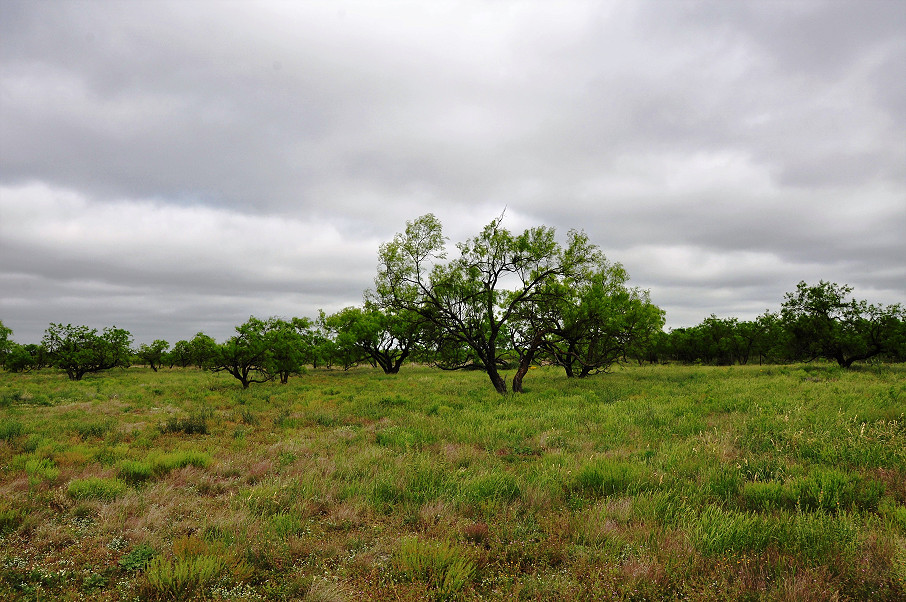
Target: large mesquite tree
[79,349]
[470,300]
[823,321]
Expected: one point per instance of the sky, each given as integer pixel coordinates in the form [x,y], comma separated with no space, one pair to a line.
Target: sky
[175,167]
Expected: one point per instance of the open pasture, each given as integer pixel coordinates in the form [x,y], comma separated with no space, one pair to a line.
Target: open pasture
[650,483]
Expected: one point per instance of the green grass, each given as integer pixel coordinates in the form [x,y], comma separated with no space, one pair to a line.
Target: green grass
[649,483]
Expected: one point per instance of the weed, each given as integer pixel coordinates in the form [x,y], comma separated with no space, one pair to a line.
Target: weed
[605,477]
[137,558]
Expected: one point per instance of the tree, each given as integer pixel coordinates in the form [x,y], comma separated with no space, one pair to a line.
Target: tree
[203,350]
[471,299]
[598,320]
[181,355]
[288,346]
[79,350]
[339,343]
[21,358]
[823,321]
[6,341]
[385,339]
[247,356]
[15,357]
[153,354]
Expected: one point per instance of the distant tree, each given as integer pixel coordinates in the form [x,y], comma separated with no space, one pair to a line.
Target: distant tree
[154,354]
[15,357]
[470,300]
[21,358]
[79,350]
[598,320]
[288,345]
[823,321]
[385,339]
[769,339]
[340,344]
[6,341]
[203,349]
[248,355]
[180,355]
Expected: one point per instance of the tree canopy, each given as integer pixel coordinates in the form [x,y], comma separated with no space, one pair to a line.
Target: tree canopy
[497,297]
[79,349]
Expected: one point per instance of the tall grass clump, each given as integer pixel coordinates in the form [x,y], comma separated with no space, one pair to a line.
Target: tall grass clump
[193,569]
[606,477]
[161,464]
[135,472]
[444,567]
[93,429]
[96,488]
[41,469]
[10,429]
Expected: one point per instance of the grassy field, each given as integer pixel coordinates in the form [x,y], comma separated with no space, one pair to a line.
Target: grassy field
[698,483]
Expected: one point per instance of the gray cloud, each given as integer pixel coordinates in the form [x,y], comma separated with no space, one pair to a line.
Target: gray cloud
[178,166]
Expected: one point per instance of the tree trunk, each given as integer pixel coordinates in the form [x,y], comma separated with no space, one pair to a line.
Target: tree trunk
[525,362]
[496,380]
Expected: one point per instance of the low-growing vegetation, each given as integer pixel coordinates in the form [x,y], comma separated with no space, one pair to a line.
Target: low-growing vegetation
[649,483]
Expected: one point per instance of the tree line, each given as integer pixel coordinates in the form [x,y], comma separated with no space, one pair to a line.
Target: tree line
[505,301]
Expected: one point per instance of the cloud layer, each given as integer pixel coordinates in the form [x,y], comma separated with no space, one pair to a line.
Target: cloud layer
[175,167]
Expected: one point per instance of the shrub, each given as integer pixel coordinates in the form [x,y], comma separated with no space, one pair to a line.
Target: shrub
[94,488]
[444,567]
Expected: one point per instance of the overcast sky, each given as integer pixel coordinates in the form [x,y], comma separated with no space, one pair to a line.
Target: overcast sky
[171,168]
